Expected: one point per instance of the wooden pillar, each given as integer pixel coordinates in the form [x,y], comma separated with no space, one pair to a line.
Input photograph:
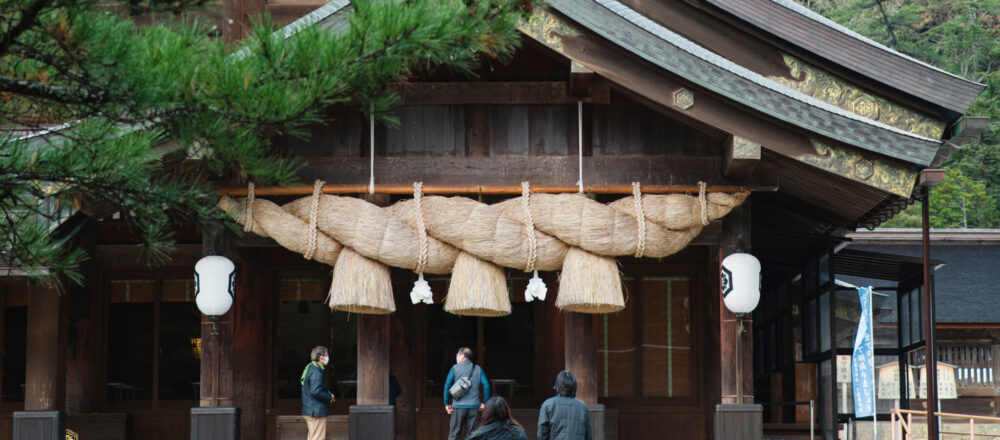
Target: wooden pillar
[581,361]
[217,336]
[251,344]
[218,418]
[403,355]
[736,335]
[580,354]
[45,381]
[373,359]
[737,417]
[372,418]
[84,384]
[553,340]
[217,361]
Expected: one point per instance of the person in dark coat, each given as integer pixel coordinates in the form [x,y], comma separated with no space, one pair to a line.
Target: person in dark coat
[496,423]
[316,395]
[564,417]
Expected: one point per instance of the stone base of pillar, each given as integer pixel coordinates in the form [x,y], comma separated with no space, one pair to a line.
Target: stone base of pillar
[597,421]
[739,422]
[39,425]
[215,423]
[372,422]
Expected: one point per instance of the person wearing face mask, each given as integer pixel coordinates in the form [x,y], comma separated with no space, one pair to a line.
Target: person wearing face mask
[316,396]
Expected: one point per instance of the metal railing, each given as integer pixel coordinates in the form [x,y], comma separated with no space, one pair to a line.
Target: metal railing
[976,366]
[903,429]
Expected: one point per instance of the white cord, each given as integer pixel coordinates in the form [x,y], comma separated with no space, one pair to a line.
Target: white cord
[579,138]
[371,130]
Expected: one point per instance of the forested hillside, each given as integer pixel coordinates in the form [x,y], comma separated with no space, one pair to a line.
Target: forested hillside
[962,37]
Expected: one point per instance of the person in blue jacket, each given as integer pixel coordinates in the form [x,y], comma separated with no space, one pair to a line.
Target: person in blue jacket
[316,396]
[465,409]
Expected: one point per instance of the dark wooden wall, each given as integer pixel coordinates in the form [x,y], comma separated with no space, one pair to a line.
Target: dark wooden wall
[622,127]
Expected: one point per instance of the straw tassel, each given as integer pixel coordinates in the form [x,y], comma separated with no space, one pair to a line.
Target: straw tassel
[421,292]
[536,287]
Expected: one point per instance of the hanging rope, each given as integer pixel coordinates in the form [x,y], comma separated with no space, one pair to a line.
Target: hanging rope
[579,138]
[421,229]
[421,291]
[640,220]
[703,201]
[371,147]
[529,227]
[313,218]
[249,224]
[536,287]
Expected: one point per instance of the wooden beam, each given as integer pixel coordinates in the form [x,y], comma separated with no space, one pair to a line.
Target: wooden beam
[740,157]
[581,79]
[968,128]
[284,13]
[539,170]
[499,93]
[931,177]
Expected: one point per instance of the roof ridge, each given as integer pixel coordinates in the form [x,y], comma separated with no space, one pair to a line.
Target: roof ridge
[814,16]
[696,50]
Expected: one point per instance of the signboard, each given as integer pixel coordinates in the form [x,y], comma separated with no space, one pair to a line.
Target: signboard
[888,382]
[843,368]
[863,360]
[946,381]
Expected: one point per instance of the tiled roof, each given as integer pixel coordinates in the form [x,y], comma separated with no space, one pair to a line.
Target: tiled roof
[808,30]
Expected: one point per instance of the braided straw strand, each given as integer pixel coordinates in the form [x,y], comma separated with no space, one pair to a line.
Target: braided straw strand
[640,220]
[529,227]
[248,226]
[704,203]
[313,218]
[421,229]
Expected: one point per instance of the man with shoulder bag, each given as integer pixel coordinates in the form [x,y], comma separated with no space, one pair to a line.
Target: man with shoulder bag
[462,398]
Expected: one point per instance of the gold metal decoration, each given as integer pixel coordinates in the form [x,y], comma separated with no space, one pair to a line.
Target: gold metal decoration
[822,85]
[547,29]
[72,435]
[879,173]
[683,99]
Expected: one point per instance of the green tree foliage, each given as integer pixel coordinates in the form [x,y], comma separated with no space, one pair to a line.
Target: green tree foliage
[134,99]
[958,202]
[962,37]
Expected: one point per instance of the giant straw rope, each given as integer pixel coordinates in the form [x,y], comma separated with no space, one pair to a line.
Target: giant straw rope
[531,232]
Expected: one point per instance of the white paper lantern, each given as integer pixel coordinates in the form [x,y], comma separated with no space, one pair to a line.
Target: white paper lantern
[740,280]
[215,285]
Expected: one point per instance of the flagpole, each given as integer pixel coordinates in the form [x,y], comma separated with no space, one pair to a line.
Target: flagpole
[871,325]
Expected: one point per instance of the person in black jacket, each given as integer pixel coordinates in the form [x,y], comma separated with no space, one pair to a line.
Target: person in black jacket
[315,394]
[564,417]
[497,424]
